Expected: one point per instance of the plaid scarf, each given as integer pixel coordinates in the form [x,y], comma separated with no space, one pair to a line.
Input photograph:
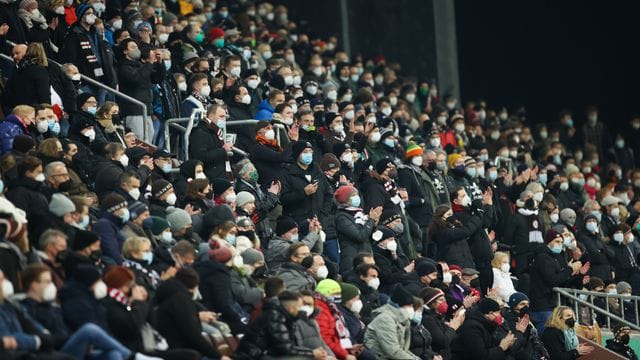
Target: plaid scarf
[118,296]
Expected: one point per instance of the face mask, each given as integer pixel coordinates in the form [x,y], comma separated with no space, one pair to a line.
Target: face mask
[307,310]
[85,221]
[171,199]
[126,215]
[135,54]
[306,158]
[386,111]
[410,97]
[615,212]
[407,312]
[238,262]
[472,172]
[43,127]
[338,129]
[592,227]
[39,178]
[124,160]
[253,83]
[556,249]
[49,293]
[375,137]
[182,86]
[398,228]
[513,153]
[356,306]
[554,218]
[312,90]
[564,186]
[205,91]
[230,198]
[435,142]
[235,71]
[498,320]
[147,256]
[90,19]
[92,110]
[100,290]
[336,299]
[7,288]
[417,160]
[570,322]
[442,308]
[322,272]
[466,201]
[567,241]
[618,237]
[459,127]
[332,95]
[392,246]
[542,178]
[355,201]
[538,196]
[447,278]
[493,175]
[505,267]
[374,283]
[389,142]
[597,214]
[199,37]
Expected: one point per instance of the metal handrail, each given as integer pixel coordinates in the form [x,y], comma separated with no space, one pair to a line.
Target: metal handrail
[100,85]
[566,292]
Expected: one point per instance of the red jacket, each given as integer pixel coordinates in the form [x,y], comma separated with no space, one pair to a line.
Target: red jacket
[328,329]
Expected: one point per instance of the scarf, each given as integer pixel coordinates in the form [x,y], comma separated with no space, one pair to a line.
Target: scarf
[271,143]
[359,217]
[457,207]
[29,20]
[151,274]
[203,100]
[570,339]
[341,329]
[118,296]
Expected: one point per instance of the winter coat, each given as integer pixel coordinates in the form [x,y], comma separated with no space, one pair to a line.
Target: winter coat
[453,241]
[296,277]
[9,16]
[277,252]
[245,290]
[17,323]
[265,110]
[265,202]
[217,295]
[136,80]
[370,298]
[74,51]
[529,346]
[272,334]
[621,348]
[307,333]
[353,235]
[26,194]
[419,207]
[516,234]
[178,320]
[79,306]
[441,334]
[206,146]
[391,270]
[502,281]
[9,129]
[548,270]
[328,321]
[268,161]
[49,315]
[553,340]
[111,239]
[28,84]
[296,203]
[475,339]
[599,254]
[126,321]
[107,178]
[479,242]
[625,260]
[353,323]
[389,335]
[421,341]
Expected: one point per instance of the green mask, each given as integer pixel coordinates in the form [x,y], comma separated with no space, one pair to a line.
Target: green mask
[199,37]
[638,227]
[254,176]
[424,91]
[219,43]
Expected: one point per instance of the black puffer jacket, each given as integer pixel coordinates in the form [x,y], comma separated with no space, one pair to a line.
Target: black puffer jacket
[271,334]
[265,202]
[353,236]
[391,270]
[206,146]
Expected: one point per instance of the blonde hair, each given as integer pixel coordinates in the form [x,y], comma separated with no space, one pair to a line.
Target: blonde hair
[23,110]
[555,320]
[498,258]
[49,147]
[36,52]
[133,245]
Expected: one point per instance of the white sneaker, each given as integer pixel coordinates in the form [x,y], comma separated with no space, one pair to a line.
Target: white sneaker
[140,356]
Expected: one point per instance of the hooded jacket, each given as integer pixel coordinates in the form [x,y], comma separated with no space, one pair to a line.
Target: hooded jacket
[389,334]
[265,110]
[277,251]
[475,339]
[296,277]
[453,241]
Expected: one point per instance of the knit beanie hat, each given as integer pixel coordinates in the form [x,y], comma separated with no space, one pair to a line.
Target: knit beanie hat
[382,164]
[220,186]
[23,143]
[218,252]
[28,4]
[451,160]
[329,162]
[348,291]
[468,161]
[622,287]
[160,187]
[298,147]
[159,225]
[113,203]
[401,296]
[595,282]
[413,150]
[328,287]
[550,235]
[251,256]
[262,124]
[426,268]
[178,218]
[284,224]
[86,274]
[82,98]
[61,205]
[118,276]
[137,208]
[568,215]
[83,239]
[188,277]
[214,217]
[382,233]
[343,193]
[244,197]
[516,298]
[488,305]
[430,294]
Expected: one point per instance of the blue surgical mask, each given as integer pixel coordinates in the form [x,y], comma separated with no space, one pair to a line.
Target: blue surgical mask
[493,175]
[221,124]
[166,168]
[231,239]
[85,221]
[167,64]
[389,142]
[417,317]
[125,215]
[543,178]
[148,257]
[556,249]
[92,110]
[1,186]
[306,158]
[355,201]
[295,237]
[597,214]
[592,227]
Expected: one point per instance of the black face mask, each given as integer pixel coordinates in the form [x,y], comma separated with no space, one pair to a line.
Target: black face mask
[432,166]
[65,186]
[524,311]
[455,280]
[62,256]
[625,339]
[475,283]
[250,234]
[570,322]
[115,118]
[188,233]
[260,272]
[95,255]
[437,283]
[393,174]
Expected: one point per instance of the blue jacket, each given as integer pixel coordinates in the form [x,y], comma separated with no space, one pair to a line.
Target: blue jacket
[12,318]
[265,110]
[111,240]
[9,129]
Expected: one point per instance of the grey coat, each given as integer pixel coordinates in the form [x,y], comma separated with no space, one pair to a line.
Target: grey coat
[296,277]
[277,251]
[245,290]
[389,335]
[307,333]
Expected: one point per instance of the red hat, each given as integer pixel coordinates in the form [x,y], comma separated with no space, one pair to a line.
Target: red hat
[218,252]
[118,276]
[455,267]
[215,33]
[343,193]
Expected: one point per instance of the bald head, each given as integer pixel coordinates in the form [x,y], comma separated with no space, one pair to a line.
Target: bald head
[17,53]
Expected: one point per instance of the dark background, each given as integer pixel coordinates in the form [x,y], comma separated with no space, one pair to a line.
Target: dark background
[546,55]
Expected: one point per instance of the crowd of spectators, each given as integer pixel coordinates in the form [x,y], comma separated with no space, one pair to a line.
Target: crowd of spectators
[364,216]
